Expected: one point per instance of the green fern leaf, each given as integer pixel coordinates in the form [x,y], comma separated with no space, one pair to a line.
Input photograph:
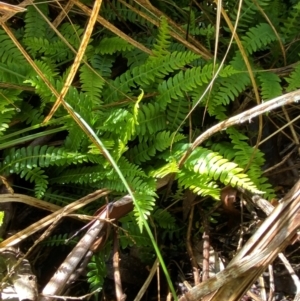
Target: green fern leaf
[160,48]
[198,183]
[294,79]
[270,85]
[36,175]
[258,37]
[92,83]
[112,45]
[216,167]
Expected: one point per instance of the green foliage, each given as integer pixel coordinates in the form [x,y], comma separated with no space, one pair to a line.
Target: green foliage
[138,104]
[294,79]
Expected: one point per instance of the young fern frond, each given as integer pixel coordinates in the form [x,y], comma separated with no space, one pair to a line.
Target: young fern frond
[160,47]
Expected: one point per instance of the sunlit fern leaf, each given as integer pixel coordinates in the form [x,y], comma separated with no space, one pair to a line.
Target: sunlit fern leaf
[216,167]
[198,183]
[146,204]
[166,169]
[242,154]
[39,156]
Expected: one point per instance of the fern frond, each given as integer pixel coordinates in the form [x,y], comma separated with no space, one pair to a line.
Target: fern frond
[216,167]
[96,271]
[250,14]
[243,152]
[146,204]
[168,168]
[147,149]
[9,53]
[198,183]
[102,64]
[148,73]
[183,82]
[112,45]
[258,37]
[5,118]
[132,235]
[291,24]
[38,176]
[151,119]
[160,48]
[35,25]
[91,83]
[38,156]
[58,240]
[294,79]
[164,219]
[270,85]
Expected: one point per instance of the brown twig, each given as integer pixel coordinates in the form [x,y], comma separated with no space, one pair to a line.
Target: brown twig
[120,296]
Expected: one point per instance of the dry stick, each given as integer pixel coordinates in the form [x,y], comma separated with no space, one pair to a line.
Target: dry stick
[113,29]
[174,33]
[44,222]
[190,250]
[243,117]
[120,296]
[206,248]
[294,134]
[260,250]
[143,289]
[57,283]
[63,13]
[64,272]
[271,283]
[78,58]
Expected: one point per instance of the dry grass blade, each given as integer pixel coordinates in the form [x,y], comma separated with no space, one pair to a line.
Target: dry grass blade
[78,58]
[5,7]
[13,240]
